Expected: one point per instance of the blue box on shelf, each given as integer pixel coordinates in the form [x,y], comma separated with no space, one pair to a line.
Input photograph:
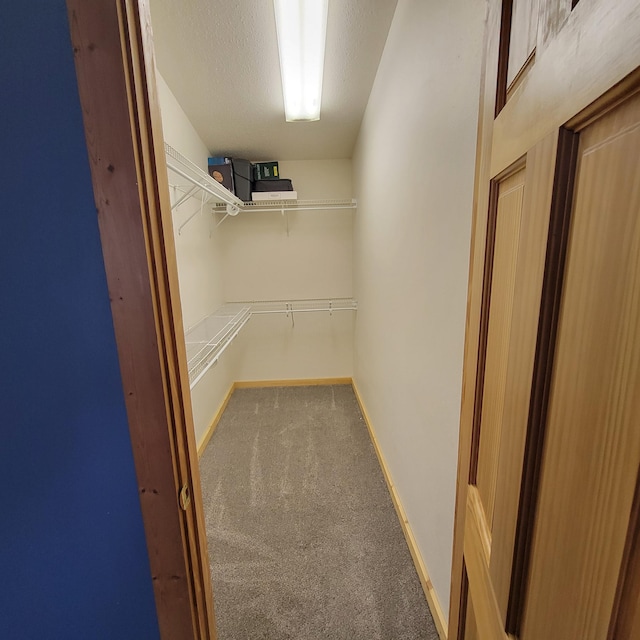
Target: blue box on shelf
[221,172]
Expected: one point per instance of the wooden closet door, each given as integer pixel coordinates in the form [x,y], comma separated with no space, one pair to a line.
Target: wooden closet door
[547,516]
[592,434]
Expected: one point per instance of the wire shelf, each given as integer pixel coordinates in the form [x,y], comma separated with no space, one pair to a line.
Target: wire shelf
[223,201]
[292,205]
[201,181]
[302,306]
[207,339]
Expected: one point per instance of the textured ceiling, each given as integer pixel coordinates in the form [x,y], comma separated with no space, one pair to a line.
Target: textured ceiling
[220,59]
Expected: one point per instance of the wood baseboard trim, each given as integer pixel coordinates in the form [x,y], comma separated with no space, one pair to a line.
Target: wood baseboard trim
[421,569]
[310,382]
[214,423]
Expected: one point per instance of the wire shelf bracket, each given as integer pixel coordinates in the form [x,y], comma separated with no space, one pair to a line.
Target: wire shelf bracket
[200,182]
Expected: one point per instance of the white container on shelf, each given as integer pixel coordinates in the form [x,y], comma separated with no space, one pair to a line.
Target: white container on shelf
[261,196]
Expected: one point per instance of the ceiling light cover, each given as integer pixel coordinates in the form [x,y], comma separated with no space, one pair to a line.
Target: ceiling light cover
[301,26]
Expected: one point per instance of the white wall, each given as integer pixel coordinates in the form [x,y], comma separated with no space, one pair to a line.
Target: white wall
[308,255]
[199,257]
[413,177]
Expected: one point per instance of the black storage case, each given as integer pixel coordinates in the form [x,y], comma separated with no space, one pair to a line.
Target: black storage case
[223,174]
[283,184]
[242,178]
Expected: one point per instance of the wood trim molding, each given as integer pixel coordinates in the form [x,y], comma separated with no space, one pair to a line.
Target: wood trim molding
[421,568]
[479,227]
[115,68]
[302,382]
[216,418]
[619,93]
[477,551]
[487,282]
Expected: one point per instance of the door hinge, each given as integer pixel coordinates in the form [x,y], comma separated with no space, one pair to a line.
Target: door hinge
[185,497]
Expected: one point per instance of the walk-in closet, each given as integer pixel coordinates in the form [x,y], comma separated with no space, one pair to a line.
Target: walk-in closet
[319,330]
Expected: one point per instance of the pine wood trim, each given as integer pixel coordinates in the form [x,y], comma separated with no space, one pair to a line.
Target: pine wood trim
[477,553]
[494,40]
[216,418]
[421,568]
[302,382]
[115,68]
[487,282]
[619,93]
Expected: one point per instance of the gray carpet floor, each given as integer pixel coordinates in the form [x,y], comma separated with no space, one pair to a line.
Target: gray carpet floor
[303,537]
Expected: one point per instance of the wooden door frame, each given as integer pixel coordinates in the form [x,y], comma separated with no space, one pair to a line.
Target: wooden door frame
[599,79]
[477,310]
[115,66]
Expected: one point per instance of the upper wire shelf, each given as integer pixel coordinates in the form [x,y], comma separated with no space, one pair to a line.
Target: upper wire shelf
[200,181]
[210,191]
[294,205]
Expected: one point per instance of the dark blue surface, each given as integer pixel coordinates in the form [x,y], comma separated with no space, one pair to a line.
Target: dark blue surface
[72,549]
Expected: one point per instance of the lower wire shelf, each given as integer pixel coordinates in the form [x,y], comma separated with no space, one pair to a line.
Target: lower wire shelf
[207,340]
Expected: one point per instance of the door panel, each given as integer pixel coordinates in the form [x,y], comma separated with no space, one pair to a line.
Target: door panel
[507,237]
[592,448]
[521,224]
[524,32]
[541,162]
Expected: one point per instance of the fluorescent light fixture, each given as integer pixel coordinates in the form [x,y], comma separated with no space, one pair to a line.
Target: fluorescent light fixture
[301,26]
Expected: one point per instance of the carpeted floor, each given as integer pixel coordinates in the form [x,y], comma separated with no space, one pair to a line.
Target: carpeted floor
[303,536]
